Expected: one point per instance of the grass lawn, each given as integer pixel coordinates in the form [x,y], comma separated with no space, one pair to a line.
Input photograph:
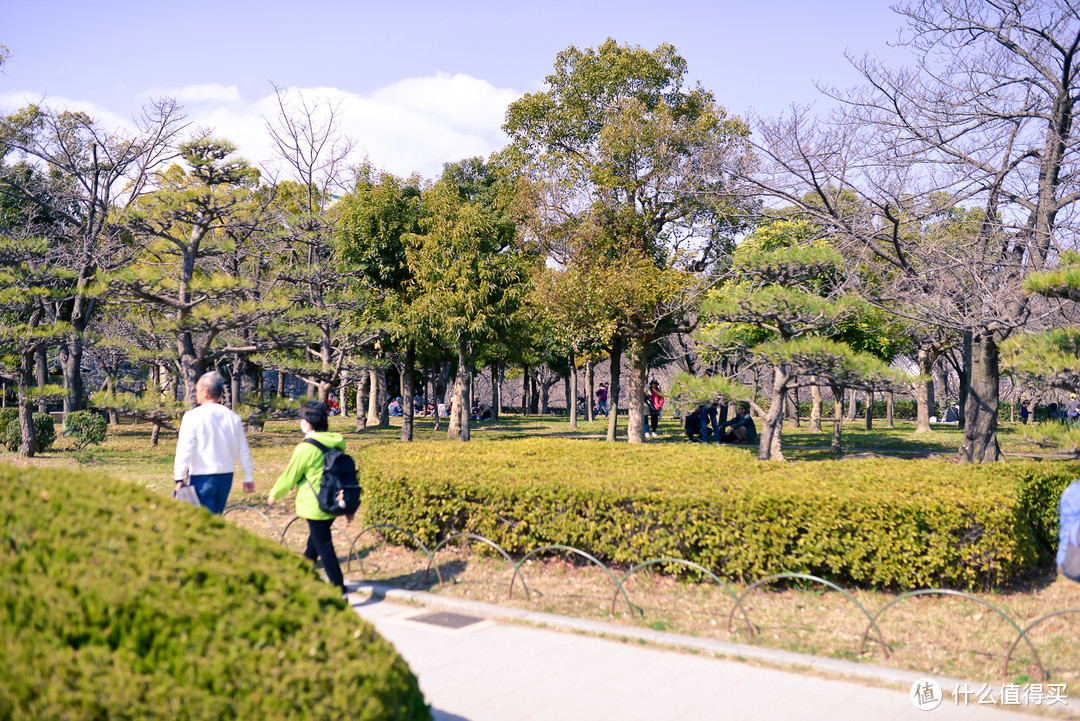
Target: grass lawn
[946,635]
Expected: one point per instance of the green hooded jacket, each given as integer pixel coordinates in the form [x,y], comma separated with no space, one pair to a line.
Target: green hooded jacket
[304,471]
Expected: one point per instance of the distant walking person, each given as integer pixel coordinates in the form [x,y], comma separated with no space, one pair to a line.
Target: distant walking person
[654,402]
[602,399]
[211,443]
[305,473]
[1072,410]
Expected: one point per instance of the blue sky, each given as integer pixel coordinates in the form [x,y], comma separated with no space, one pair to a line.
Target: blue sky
[419,83]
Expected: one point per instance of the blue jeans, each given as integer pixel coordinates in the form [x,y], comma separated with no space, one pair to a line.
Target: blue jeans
[213,490]
[708,416]
[602,407]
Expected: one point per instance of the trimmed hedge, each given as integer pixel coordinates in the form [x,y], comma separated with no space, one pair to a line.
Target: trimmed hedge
[120,604]
[878,522]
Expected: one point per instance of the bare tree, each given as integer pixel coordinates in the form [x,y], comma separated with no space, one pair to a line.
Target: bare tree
[953,179]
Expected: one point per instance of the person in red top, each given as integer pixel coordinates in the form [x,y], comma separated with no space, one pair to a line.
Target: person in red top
[654,401]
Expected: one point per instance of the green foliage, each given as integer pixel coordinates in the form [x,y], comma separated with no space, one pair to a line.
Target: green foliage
[85,428]
[10,435]
[1051,358]
[1063,282]
[891,523]
[117,603]
[149,406]
[470,275]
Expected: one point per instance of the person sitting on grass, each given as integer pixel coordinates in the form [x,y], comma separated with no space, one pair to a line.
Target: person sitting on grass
[304,473]
[742,427]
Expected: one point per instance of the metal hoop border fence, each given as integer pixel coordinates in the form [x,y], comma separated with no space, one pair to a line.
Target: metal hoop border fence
[738,599]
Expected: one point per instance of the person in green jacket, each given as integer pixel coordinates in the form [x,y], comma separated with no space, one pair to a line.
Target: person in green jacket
[304,473]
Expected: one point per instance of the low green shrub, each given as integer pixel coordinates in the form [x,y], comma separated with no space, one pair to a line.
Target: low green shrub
[117,603]
[877,522]
[10,436]
[85,428]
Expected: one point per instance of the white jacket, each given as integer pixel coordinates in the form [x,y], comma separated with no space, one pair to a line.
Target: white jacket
[212,440]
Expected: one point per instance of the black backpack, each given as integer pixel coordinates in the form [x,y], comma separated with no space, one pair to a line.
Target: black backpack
[339,492]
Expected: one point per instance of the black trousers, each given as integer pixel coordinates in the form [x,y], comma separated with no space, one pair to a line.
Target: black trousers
[320,544]
[654,419]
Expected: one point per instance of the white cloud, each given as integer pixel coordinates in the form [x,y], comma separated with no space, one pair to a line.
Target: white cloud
[413,125]
[198,94]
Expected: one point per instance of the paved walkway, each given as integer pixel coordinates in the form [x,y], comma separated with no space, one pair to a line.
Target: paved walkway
[502,670]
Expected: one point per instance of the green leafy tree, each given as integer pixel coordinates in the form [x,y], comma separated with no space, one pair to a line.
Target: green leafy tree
[93,176]
[377,220]
[636,169]
[27,285]
[793,295]
[470,274]
[194,218]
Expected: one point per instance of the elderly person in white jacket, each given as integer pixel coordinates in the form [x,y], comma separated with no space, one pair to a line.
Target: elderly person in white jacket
[211,443]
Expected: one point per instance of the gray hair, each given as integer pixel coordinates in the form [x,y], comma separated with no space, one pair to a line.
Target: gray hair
[212,383]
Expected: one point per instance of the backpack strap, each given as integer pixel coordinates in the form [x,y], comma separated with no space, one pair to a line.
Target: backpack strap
[323,449]
[318,445]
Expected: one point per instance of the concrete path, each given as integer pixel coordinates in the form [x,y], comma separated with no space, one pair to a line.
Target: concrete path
[498,670]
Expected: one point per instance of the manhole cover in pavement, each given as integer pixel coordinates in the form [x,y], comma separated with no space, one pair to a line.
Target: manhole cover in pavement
[447,620]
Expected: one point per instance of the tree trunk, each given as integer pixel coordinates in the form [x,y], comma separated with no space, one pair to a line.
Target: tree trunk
[71,365]
[772,425]
[361,417]
[28,445]
[534,394]
[110,387]
[155,434]
[589,391]
[838,417]
[965,378]
[41,373]
[815,406]
[635,392]
[407,379]
[924,390]
[889,408]
[453,429]
[792,408]
[459,417]
[436,395]
[524,390]
[572,394]
[869,410]
[852,409]
[384,401]
[280,384]
[373,398]
[980,430]
[234,382]
[940,388]
[496,396]
[613,389]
